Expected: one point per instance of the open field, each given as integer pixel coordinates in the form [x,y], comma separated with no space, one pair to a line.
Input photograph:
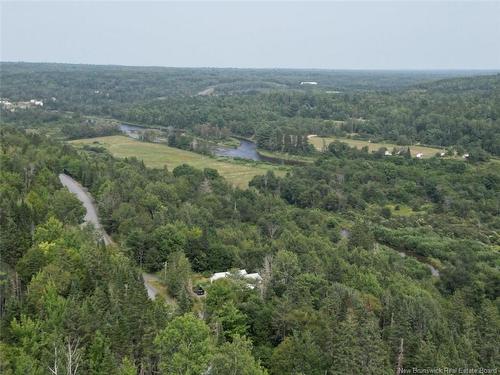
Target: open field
[157,155]
[319,142]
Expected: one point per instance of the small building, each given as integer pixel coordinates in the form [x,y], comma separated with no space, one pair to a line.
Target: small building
[254,277]
[465,156]
[387,153]
[218,275]
[35,102]
[419,155]
[308,83]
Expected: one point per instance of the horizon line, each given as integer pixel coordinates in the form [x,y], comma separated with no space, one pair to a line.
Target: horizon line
[262,68]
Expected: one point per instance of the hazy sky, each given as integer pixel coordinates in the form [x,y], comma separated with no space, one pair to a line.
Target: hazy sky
[339,35]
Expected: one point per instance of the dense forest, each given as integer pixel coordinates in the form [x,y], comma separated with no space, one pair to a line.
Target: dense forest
[368,263]
[404,108]
[324,301]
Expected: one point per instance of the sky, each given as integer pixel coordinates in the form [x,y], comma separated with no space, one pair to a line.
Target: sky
[326,35]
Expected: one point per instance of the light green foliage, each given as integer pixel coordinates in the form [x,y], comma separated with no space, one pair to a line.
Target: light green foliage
[298,354]
[49,232]
[285,268]
[159,156]
[67,208]
[184,347]
[127,367]
[236,358]
[231,320]
[177,273]
[100,358]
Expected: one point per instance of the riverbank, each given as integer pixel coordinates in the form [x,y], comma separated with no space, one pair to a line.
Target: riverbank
[154,155]
[284,158]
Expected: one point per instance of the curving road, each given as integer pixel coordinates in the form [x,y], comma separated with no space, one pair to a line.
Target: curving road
[91,217]
[84,196]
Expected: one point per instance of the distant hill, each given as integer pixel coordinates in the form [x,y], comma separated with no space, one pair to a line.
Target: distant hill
[74,83]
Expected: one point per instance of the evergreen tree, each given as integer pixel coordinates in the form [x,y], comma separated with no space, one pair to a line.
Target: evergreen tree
[184,346]
[235,357]
[100,358]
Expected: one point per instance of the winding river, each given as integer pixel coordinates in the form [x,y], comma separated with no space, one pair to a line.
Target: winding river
[246,150]
[132,131]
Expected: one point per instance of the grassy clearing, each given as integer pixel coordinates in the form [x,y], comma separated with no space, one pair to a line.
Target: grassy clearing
[286,156]
[402,210]
[163,292]
[320,142]
[158,155]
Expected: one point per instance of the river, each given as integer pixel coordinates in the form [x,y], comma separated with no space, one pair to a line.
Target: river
[131,130]
[246,150]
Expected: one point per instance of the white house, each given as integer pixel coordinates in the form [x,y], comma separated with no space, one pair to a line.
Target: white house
[387,153]
[242,273]
[308,83]
[36,102]
[253,276]
[465,156]
[218,275]
[419,155]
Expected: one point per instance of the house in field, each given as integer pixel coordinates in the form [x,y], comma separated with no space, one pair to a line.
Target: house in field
[308,83]
[420,155]
[465,156]
[243,274]
[387,153]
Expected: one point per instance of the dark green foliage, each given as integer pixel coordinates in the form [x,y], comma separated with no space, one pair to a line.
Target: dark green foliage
[361,236]
[89,130]
[337,296]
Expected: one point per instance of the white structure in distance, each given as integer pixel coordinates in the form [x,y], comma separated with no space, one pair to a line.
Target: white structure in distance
[240,273]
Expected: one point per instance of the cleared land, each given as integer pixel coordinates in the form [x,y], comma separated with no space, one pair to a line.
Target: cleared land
[319,142]
[158,155]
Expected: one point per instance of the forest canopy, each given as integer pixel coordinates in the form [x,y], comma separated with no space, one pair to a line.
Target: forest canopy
[364,260]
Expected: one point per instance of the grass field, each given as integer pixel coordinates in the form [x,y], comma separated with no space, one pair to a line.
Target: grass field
[157,155]
[285,156]
[319,142]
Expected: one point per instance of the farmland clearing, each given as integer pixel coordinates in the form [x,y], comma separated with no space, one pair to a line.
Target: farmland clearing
[320,142]
[154,155]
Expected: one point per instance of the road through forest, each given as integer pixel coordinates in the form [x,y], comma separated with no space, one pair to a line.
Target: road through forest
[91,217]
